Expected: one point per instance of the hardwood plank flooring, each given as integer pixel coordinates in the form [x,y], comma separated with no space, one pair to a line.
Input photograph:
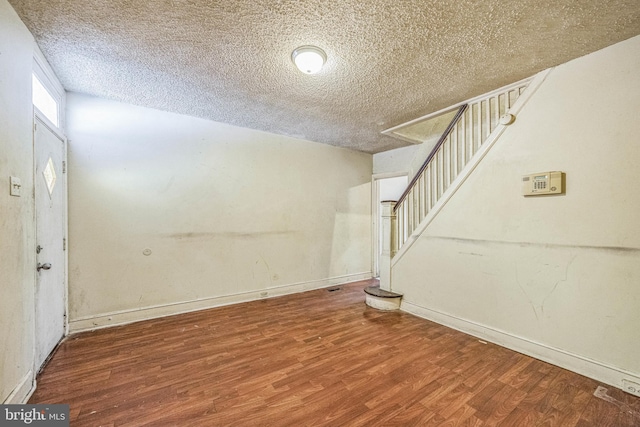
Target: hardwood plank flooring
[314,359]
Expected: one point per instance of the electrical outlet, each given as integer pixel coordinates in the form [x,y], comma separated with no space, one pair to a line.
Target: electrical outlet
[15,186]
[631,387]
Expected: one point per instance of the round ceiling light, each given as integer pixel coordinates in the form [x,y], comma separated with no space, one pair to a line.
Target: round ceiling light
[309,59]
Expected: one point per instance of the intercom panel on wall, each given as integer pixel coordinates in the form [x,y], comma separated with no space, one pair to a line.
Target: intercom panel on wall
[542,183]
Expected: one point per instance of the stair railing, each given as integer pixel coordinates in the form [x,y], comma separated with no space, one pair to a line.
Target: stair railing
[468,130]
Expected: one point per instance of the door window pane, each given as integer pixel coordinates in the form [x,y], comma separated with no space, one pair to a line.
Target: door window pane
[44,102]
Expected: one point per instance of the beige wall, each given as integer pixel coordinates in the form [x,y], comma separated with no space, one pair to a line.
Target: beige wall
[559,274]
[400,160]
[17,227]
[228,214]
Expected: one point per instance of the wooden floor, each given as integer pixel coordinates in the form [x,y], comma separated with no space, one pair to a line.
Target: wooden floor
[314,359]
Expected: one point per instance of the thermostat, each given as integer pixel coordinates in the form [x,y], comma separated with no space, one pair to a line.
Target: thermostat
[542,183]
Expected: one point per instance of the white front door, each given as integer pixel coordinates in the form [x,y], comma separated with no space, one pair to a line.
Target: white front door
[50,193]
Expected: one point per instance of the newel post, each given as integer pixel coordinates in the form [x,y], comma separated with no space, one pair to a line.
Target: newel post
[389,245]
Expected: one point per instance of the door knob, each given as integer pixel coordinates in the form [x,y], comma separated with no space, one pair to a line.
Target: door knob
[44,266]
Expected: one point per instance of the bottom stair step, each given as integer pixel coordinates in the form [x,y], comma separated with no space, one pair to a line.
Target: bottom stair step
[381,299]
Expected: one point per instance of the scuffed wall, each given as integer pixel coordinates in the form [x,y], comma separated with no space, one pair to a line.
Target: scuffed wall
[560,271]
[17,227]
[166,209]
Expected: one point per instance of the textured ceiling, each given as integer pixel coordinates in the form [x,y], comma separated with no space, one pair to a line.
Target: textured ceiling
[389,61]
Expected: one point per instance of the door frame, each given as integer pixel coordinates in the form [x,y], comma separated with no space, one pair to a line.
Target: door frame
[47,77]
[39,120]
[375,211]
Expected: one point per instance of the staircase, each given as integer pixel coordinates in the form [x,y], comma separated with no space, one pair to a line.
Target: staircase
[475,128]
[381,299]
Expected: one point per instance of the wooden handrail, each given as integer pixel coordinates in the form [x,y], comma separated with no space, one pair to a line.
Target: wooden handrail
[446,133]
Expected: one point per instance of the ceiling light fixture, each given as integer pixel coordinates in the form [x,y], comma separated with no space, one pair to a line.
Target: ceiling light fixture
[309,59]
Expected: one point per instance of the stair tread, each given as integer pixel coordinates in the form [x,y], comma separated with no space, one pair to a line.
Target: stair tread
[381,293]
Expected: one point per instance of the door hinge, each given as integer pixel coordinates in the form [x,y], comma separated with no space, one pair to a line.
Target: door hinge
[64,243]
[64,166]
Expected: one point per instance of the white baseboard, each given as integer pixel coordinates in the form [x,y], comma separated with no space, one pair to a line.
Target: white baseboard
[122,317]
[582,365]
[23,391]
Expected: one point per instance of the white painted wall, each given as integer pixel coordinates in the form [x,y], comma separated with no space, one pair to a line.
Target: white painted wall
[407,160]
[17,227]
[561,274]
[400,160]
[228,213]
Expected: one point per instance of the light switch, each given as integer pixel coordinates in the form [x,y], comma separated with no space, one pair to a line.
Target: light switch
[16,186]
